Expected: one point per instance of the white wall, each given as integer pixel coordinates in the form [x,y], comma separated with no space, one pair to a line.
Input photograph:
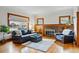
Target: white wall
[75,21]
[53,18]
[3,16]
[4,11]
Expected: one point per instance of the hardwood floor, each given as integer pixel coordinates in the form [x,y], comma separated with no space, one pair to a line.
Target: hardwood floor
[58,47]
[71,48]
[10,47]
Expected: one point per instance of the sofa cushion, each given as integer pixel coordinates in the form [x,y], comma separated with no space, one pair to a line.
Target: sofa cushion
[24,32]
[66,31]
[18,33]
[28,35]
[60,37]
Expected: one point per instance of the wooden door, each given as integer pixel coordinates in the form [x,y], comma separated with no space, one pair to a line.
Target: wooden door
[77,28]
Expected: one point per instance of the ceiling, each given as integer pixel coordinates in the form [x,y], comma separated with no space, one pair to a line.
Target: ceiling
[40,10]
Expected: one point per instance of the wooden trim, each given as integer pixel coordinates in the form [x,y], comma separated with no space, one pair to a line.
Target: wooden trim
[77,29]
[17,15]
[8,19]
[61,17]
[8,15]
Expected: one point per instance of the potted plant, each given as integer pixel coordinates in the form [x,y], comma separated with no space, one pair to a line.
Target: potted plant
[4,29]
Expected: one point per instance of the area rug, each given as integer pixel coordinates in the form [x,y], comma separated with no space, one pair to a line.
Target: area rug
[43,45]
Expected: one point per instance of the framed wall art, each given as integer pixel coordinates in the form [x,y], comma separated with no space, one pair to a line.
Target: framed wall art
[64,20]
[40,21]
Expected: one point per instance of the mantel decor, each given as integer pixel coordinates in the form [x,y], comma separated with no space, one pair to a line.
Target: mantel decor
[64,20]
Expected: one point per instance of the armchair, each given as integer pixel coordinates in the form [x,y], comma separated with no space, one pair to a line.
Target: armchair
[67,36]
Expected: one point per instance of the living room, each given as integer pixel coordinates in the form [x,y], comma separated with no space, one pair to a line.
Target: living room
[43,23]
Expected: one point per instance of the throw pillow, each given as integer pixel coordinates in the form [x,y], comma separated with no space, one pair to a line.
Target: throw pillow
[18,33]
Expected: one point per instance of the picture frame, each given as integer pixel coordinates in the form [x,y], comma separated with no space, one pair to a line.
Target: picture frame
[40,21]
[64,20]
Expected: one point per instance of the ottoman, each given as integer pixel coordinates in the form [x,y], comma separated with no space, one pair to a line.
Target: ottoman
[35,38]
